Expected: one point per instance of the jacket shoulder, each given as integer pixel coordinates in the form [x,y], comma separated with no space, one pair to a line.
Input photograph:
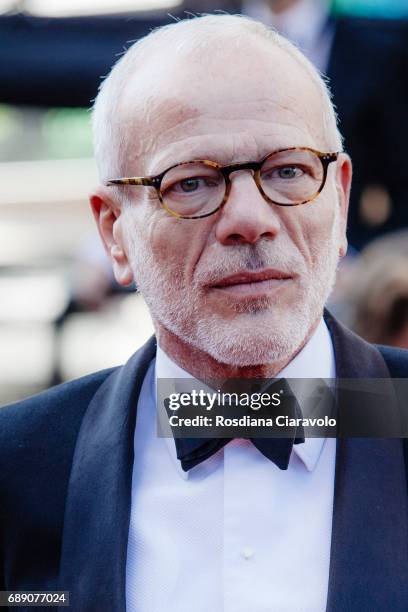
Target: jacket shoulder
[48,419]
[37,442]
[396,360]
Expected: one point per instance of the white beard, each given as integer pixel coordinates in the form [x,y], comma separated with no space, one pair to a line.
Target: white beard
[256,332]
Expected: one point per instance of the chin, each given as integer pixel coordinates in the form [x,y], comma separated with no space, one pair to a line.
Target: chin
[268,341]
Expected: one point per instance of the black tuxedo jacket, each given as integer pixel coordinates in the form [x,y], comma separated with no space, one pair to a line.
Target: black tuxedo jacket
[66,460]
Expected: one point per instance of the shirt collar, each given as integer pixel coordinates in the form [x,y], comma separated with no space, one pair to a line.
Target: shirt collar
[314,360]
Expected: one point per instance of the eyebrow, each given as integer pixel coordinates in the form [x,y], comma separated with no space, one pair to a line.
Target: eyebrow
[173,161]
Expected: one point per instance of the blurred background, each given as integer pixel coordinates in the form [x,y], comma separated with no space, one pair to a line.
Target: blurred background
[61,313]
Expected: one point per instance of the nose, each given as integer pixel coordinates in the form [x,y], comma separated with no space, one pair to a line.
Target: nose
[246,217]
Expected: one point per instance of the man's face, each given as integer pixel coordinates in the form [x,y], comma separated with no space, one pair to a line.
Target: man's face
[229,111]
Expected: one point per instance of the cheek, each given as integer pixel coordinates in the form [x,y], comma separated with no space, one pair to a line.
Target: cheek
[176,244]
[310,228]
[319,225]
[165,241]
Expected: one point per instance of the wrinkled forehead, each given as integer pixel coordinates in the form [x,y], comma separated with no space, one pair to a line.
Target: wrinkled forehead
[261,86]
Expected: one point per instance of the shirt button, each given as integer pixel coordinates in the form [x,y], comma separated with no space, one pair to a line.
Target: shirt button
[247,553]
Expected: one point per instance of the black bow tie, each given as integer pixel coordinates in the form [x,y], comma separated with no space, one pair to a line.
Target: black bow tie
[193,451]
[277,450]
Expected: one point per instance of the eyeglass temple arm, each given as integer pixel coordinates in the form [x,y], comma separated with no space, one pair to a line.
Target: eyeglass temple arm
[145,181]
[329,157]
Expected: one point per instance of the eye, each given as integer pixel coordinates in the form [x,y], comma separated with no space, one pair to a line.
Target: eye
[289,172]
[193,184]
[189,185]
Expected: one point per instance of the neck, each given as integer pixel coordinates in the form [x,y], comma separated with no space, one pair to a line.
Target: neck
[205,368]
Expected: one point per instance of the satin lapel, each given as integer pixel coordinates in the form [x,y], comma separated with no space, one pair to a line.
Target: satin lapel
[96,524]
[369,561]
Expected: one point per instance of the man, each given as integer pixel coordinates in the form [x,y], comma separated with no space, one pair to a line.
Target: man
[224,195]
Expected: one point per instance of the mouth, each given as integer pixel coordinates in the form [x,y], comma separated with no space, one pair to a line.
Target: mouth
[252,284]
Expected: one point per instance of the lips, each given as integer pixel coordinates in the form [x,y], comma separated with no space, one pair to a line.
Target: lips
[250,278]
[251,285]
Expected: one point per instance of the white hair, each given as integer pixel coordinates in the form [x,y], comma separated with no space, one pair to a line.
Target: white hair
[192,34]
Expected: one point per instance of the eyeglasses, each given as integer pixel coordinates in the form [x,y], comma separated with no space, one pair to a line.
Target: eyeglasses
[199,188]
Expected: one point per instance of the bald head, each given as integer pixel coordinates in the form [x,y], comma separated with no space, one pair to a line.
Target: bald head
[222,64]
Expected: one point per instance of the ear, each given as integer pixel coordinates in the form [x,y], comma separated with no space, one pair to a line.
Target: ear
[109,220]
[344,171]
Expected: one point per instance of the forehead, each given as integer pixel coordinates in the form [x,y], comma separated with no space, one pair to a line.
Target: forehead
[227,104]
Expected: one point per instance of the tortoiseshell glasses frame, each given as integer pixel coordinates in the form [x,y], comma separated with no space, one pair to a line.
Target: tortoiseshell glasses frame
[226,171]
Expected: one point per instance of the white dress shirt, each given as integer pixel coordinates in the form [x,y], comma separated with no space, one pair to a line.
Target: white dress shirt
[305,23]
[235,533]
